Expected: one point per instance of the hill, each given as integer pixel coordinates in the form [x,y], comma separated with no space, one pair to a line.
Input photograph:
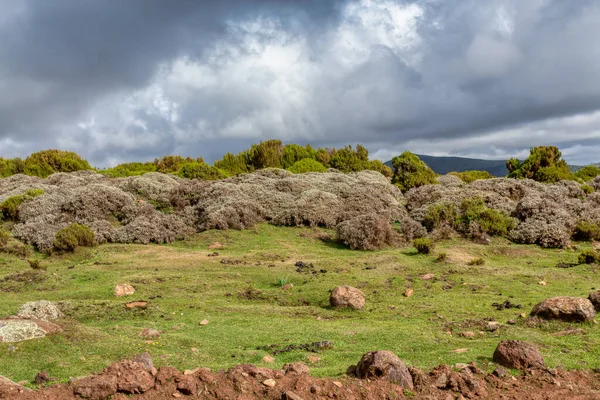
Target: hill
[443,165]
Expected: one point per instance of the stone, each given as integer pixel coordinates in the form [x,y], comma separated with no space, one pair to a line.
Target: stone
[468,334]
[347,297]
[149,333]
[296,368]
[500,373]
[187,385]
[518,355]
[492,326]
[570,309]
[269,382]
[43,310]
[384,364]
[427,277]
[594,297]
[146,362]
[124,289]
[16,329]
[290,396]
[204,322]
[132,377]
[136,304]
[42,378]
[268,359]
[95,387]
[314,359]
[408,292]
[337,383]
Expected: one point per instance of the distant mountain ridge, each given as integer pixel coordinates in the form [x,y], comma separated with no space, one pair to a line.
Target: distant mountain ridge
[444,165]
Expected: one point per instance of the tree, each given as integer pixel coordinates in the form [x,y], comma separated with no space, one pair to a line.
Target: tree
[410,172]
[544,164]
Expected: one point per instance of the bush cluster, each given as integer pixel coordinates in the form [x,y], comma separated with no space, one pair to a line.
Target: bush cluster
[73,236]
[9,208]
[589,257]
[366,232]
[544,164]
[423,245]
[587,230]
[471,176]
[411,172]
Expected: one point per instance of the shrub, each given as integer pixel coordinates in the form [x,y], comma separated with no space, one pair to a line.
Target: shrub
[307,165]
[47,162]
[73,236]
[36,264]
[11,166]
[292,153]
[410,172]
[586,230]
[442,257]
[4,238]
[471,176]
[544,164]
[438,214]
[10,206]
[423,245]
[587,189]
[491,221]
[197,170]
[172,164]
[376,165]
[366,232]
[588,173]
[477,261]
[589,257]
[130,169]
[412,229]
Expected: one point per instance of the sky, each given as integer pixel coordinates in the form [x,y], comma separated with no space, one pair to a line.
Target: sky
[133,80]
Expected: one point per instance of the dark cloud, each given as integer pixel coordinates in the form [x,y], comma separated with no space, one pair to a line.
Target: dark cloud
[142,78]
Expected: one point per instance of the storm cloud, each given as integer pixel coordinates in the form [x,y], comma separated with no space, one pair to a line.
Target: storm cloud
[138,79]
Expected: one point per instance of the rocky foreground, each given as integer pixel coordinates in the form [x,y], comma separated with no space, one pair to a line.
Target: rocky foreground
[378,375]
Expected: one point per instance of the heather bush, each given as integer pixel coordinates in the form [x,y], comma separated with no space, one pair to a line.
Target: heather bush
[130,169]
[293,153]
[587,230]
[172,164]
[490,221]
[410,172]
[73,236]
[366,232]
[423,245]
[4,237]
[11,166]
[36,264]
[45,163]
[9,208]
[440,213]
[471,176]
[587,173]
[412,229]
[199,170]
[307,165]
[589,257]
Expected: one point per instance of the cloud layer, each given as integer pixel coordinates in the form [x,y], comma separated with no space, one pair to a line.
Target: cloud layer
[132,80]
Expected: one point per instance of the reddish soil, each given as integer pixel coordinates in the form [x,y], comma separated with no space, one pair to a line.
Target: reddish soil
[140,380]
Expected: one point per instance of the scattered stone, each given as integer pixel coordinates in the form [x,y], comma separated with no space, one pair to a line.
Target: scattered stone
[269,383]
[146,361]
[347,297]
[511,322]
[215,245]
[132,377]
[409,292]
[594,297]
[542,283]
[314,359]
[468,334]
[569,331]
[492,326]
[268,359]
[137,304]
[518,355]
[204,322]
[296,368]
[337,383]
[186,384]
[95,387]
[15,329]
[124,289]
[42,378]
[566,309]
[290,396]
[194,350]
[384,364]
[214,254]
[427,277]
[149,333]
[506,305]
[500,372]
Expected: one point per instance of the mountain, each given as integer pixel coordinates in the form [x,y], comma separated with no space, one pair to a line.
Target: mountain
[443,165]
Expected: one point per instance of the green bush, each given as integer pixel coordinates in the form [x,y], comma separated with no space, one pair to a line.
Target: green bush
[442,257]
[471,176]
[440,213]
[11,166]
[589,257]
[491,221]
[197,170]
[423,245]
[129,169]
[477,261]
[9,208]
[36,264]
[48,162]
[4,238]
[292,153]
[73,236]
[307,165]
[587,189]
[544,164]
[586,230]
[410,172]
[587,173]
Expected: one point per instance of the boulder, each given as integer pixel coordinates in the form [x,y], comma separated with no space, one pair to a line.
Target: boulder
[132,377]
[566,309]
[385,365]
[296,368]
[518,355]
[95,387]
[347,297]
[124,289]
[16,329]
[149,333]
[594,297]
[44,310]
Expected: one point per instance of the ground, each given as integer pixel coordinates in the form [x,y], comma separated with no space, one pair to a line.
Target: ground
[239,292]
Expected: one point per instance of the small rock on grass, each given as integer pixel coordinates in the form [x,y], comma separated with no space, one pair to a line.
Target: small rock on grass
[269,383]
[268,359]
[204,322]
[409,292]
[124,289]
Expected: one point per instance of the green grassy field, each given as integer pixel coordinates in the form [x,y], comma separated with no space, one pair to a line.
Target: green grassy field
[246,308]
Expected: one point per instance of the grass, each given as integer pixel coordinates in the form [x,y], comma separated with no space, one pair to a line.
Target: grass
[184,286]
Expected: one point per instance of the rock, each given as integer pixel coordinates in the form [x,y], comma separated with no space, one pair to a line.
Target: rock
[137,304]
[146,362]
[594,297]
[518,355]
[542,283]
[290,396]
[347,297]
[468,334]
[384,364]
[9,388]
[493,326]
[314,359]
[124,289]
[269,382]
[296,368]
[268,359]
[566,309]
[204,322]
[95,387]
[500,373]
[132,377]
[337,383]
[43,310]
[42,378]
[409,292]
[149,333]
[427,277]
[16,329]
[187,385]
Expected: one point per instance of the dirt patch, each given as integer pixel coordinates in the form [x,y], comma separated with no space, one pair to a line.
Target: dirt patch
[459,256]
[140,380]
